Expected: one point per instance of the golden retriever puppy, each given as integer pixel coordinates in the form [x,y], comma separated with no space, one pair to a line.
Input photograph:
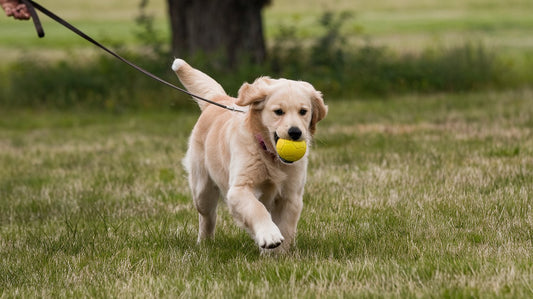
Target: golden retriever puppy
[232,155]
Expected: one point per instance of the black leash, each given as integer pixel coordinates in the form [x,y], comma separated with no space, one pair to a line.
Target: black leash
[31,5]
[35,18]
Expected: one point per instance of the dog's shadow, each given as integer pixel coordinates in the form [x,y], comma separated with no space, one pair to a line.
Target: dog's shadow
[234,246]
[225,246]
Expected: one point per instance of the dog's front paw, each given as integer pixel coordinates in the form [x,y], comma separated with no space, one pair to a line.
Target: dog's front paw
[269,237]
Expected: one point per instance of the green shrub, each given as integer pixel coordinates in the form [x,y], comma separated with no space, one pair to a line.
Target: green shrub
[329,61]
[338,68]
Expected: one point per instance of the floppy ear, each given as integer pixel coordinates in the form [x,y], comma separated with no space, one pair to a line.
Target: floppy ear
[320,110]
[253,93]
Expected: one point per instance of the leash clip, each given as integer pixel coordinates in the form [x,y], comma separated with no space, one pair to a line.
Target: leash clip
[233,109]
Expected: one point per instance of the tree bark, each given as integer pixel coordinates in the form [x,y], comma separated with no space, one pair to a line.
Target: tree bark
[230,28]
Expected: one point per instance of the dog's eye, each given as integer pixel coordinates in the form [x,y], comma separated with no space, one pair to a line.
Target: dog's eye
[279,112]
[303,111]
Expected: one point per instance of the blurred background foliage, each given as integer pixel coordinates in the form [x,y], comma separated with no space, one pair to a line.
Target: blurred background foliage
[336,56]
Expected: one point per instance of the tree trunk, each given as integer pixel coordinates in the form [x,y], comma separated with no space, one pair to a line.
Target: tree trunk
[231,28]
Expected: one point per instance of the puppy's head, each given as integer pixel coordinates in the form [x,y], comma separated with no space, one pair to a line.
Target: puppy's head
[287,109]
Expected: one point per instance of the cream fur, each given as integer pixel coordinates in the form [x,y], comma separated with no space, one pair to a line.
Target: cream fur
[226,160]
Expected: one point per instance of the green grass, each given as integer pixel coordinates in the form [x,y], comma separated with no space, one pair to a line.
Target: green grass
[414,196]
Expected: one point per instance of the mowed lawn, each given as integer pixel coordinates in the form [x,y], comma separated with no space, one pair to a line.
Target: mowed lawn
[414,196]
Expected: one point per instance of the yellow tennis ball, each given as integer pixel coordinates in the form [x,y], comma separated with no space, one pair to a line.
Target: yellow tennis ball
[290,151]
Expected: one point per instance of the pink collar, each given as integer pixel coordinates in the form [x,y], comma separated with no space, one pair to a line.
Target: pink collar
[264,146]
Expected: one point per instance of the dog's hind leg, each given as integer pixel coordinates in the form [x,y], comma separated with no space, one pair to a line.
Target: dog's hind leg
[205,196]
[196,81]
[206,204]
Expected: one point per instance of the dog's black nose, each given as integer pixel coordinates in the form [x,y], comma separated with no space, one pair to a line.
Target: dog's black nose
[295,133]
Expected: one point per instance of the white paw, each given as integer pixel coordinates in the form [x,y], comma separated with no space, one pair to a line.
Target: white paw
[178,63]
[269,236]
